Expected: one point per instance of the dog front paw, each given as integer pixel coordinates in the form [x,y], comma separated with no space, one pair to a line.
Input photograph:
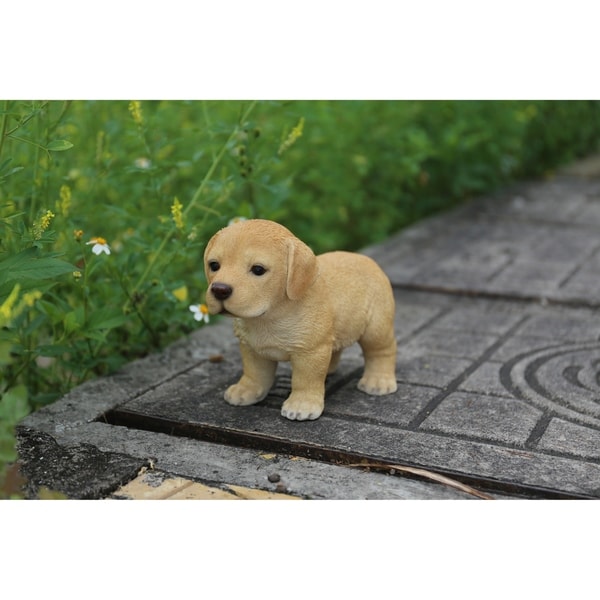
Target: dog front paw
[302,408]
[240,394]
[377,385]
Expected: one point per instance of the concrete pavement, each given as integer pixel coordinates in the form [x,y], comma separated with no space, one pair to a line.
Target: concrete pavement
[498,381]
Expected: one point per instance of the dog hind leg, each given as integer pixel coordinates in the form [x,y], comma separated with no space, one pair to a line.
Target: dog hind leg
[378,344]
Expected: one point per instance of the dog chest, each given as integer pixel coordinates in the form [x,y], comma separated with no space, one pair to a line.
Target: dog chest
[268,342]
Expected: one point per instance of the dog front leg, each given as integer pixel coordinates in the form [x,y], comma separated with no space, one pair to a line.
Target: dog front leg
[256,380]
[307,400]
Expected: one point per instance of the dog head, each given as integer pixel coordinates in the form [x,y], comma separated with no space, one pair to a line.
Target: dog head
[253,266]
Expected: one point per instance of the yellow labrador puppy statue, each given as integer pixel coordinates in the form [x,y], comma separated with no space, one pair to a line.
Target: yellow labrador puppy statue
[290,305]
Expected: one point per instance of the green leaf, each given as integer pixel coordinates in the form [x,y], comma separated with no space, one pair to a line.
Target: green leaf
[5,356]
[59,145]
[74,320]
[54,313]
[53,350]
[26,265]
[8,452]
[13,405]
[5,164]
[106,319]
[5,172]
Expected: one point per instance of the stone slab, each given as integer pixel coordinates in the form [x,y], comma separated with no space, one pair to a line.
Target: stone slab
[535,241]
[470,417]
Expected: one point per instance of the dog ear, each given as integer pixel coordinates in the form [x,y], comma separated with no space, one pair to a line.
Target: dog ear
[301,268]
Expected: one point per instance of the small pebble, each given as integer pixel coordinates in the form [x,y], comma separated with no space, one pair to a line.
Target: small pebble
[274,477]
[281,489]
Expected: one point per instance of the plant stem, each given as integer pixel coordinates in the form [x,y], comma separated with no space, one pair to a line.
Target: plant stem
[215,163]
[65,107]
[36,167]
[28,118]
[3,126]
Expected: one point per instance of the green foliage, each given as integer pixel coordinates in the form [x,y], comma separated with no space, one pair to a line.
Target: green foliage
[364,170]
[105,207]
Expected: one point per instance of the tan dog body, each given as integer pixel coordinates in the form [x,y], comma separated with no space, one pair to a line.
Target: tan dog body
[290,305]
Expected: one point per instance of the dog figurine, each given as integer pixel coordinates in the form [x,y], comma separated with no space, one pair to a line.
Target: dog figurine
[290,305]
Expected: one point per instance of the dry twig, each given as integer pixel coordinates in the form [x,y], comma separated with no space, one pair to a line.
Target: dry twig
[427,475]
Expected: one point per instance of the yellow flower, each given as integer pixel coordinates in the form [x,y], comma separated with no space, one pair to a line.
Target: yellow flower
[77,234]
[135,108]
[181,293]
[99,246]
[200,312]
[42,223]
[29,298]
[10,310]
[292,137]
[6,308]
[177,213]
[46,219]
[65,200]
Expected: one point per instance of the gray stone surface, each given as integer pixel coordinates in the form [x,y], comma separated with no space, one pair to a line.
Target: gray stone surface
[498,373]
[527,242]
[80,470]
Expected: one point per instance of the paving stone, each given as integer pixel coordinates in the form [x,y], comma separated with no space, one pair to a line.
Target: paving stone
[584,284]
[413,317]
[570,439]
[590,214]
[494,318]
[516,346]
[398,408]
[456,344]
[485,380]
[562,327]
[527,246]
[210,463]
[486,417]
[531,277]
[437,371]
[562,379]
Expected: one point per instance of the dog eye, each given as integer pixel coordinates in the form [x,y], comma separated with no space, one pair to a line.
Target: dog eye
[214,266]
[258,270]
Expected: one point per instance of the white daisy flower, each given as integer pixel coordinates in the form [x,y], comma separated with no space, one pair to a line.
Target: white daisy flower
[99,246]
[200,312]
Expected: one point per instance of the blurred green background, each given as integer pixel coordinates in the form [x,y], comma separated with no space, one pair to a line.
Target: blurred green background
[155,179]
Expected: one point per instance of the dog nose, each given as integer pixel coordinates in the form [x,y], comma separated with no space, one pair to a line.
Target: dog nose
[221,291]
